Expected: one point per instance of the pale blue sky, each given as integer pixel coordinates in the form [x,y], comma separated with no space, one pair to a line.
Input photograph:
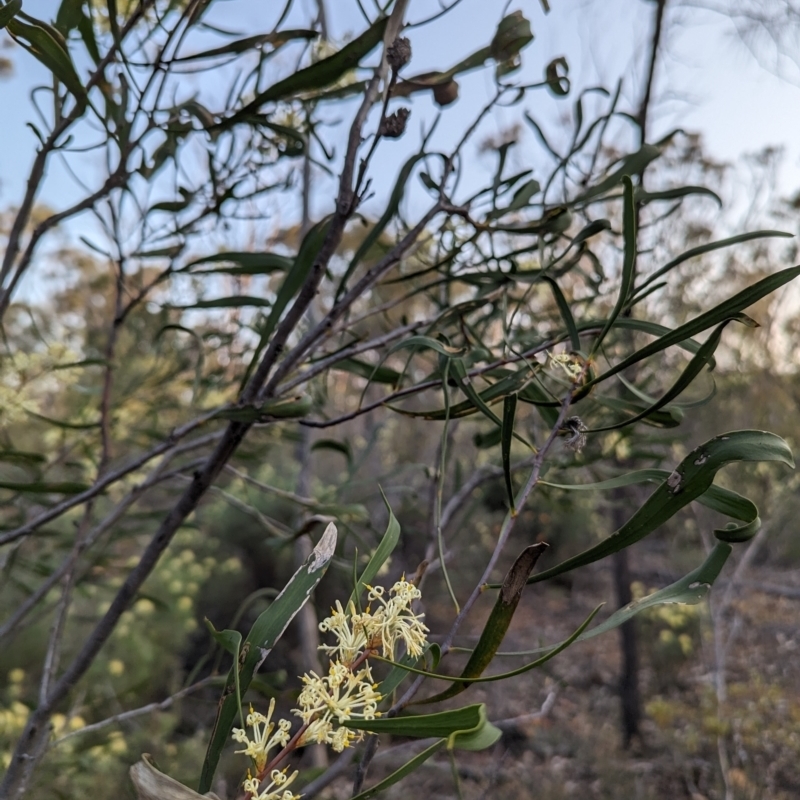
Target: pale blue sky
[708,82]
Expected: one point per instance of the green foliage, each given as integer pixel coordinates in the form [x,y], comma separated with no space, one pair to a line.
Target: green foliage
[476,355]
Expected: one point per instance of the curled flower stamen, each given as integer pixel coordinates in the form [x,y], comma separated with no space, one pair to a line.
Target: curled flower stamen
[264,739]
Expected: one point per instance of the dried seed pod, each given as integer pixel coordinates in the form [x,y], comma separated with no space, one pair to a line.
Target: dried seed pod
[393,126]
[574,432]
[399,53]
[445,93]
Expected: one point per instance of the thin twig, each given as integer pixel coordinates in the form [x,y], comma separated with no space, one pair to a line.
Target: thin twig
[124,716]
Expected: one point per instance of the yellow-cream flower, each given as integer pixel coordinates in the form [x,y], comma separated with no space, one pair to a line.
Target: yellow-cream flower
[263,739]
[277,789]
[395,620]
[349,628]
[338,696]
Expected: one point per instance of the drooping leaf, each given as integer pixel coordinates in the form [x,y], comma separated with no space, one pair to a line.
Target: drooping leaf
[456,726]
[237,301]
[557,76]
[632,164]
[250,43]
[295,277]
[47,45]
[689,590]
[319,75]
[231,642]
[565,311]
[336,446]
[290,407]
[629,235]
[246,263]
[690,479]
[729,309]
[373,373]
[9,11]
[645,197]
[709,248]
[507,434]
[497,625]
[699,361]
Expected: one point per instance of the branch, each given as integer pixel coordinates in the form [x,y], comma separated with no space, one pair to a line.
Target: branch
[32,743]
[124,716]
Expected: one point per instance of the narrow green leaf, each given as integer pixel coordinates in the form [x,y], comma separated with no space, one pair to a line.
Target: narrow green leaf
[690,479]
[689,590]
[494,630]
[565,311]
[507,432]
[249,43]
[629,262]
[399,672]
[238,301]
[465,384]
[68,16]
[444,724]
[520,200]
[246,263]
[420,342]
[382,552]
[295,277]
[373,373]
[592,229]
[278,408]
[699,361]
[717,498]
[336,446]
[398,775]
[658,419]
[708,248]
[319,75]
[632,164]
[22,457]
[74,426]
[258,644]
[556,75]
[231,642]
[645,197]
[726,310]
[9,11]
[47,45]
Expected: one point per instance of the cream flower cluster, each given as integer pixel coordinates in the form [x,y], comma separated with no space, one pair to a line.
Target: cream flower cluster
[392,622]
[337,697]
[347,692]
[276,789]
[263,738]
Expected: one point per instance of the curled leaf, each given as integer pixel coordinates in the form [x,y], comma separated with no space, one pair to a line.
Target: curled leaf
[556,76]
